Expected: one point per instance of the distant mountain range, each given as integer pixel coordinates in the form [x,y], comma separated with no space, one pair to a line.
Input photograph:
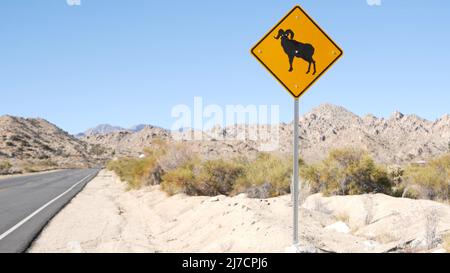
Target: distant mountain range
[395,140]
[104,129]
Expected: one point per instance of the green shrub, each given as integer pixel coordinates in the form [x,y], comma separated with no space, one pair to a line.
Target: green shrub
[139,172]
[431,181]
[180,171]
[180,180]
[209,178]
[218,177]
[135,172]
[347,172]
[267,176]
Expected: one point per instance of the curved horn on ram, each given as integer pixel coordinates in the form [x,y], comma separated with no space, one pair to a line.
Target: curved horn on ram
[291,33]
[280,33]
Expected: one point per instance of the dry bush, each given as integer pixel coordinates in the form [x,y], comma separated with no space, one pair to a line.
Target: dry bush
[208,178]
[175,156]
[347,172]
[269,175]
[5,167]
[218,177]
[180,180]
[431,181]
[149,170]
[136,172]
[266,176]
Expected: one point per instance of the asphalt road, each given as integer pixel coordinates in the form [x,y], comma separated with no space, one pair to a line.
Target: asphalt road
[28,203]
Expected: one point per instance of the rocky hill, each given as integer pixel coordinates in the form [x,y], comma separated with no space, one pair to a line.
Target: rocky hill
[395,140]
[400,138]
[102,129]
[128,143]
[36,144]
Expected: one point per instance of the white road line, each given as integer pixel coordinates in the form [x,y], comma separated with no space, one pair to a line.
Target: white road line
[11,230]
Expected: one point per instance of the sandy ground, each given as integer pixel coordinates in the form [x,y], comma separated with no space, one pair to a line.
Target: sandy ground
[105,217]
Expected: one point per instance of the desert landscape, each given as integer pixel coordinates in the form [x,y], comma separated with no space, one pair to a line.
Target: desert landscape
[399,139]
[157,193]
[106,217]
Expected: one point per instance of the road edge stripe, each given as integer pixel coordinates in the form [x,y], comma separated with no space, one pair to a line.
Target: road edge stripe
[21,223]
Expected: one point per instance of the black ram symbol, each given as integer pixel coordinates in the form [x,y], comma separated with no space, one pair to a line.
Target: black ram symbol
[296,49]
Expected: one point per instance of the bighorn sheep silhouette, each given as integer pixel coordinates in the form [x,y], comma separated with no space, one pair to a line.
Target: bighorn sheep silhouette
[296,49]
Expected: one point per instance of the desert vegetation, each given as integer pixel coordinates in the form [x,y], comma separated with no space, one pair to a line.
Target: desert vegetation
[344,172]
[428,181]
[347,172]
[178,170]
[5,167]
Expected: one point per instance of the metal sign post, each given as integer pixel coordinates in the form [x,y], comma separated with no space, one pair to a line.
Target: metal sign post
[296,174]
[297,52]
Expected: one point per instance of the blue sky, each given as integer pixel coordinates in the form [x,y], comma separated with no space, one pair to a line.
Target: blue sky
[127,62]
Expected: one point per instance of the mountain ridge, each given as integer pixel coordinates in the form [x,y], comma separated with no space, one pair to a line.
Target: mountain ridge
[35,144]
[397,139]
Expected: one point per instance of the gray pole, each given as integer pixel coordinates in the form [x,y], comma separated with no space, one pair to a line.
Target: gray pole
[296,183]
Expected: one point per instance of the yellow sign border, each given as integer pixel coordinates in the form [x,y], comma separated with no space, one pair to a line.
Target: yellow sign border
[273,74]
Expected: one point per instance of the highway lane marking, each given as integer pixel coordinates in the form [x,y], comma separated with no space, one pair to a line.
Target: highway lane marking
[11,230]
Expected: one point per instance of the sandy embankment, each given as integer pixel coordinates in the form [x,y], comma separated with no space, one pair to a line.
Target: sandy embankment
[105,217]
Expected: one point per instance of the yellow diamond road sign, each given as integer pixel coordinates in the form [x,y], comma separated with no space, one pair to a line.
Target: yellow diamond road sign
[297,52]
